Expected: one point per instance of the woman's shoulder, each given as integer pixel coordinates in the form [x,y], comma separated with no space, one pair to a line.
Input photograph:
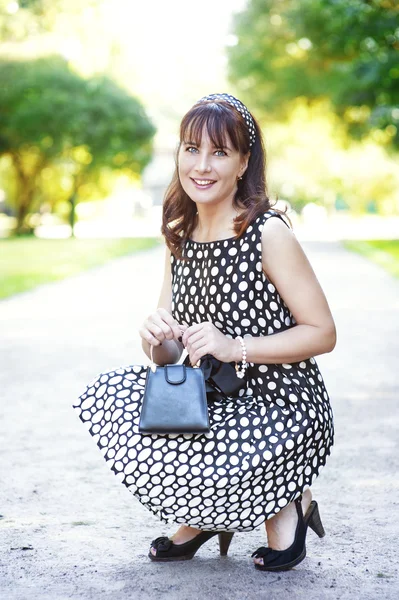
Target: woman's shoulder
[267,223]
[268,215]
[276,233]
[279,246]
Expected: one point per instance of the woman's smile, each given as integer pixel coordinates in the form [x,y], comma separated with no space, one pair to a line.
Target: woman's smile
[203,184]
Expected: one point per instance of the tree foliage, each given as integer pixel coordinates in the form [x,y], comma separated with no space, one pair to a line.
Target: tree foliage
[29,18]
[50,116]
[344,50]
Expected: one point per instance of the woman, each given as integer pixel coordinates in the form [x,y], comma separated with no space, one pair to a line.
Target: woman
[237,286]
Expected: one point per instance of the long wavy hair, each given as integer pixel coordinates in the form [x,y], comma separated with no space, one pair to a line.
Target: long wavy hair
[179,214]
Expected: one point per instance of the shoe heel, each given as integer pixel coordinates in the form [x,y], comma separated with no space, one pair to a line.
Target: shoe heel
[315,522]
[225,538]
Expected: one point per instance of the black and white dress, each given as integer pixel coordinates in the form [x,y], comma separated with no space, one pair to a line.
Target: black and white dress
[264,447]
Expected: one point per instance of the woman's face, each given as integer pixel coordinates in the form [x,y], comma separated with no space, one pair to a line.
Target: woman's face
[207,174]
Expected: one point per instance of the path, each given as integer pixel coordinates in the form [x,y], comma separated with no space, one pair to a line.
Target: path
[88,537]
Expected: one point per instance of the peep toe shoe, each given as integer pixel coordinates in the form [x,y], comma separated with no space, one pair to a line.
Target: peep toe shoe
[282,560]
[167,550]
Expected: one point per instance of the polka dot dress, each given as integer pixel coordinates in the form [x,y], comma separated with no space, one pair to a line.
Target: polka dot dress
[264,448]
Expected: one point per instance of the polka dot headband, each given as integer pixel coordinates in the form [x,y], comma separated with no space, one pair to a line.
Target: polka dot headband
[240,107]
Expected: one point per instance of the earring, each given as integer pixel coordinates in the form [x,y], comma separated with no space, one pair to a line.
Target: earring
[238,178]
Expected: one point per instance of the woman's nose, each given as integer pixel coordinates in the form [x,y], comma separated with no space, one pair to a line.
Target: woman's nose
[203,163]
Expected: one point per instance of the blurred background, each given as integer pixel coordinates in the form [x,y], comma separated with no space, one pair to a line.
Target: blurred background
[92,92]
[91,96]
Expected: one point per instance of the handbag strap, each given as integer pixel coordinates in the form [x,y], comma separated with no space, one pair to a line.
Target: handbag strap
[153,366]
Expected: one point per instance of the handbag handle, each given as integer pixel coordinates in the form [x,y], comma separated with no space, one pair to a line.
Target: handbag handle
[153,366]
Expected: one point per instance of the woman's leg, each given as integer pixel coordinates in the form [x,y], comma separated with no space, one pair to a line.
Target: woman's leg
[280,529]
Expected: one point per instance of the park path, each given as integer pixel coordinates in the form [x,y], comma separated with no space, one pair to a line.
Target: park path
[70,530]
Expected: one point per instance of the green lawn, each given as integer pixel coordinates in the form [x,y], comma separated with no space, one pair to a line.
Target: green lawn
[382,252]
[27,262]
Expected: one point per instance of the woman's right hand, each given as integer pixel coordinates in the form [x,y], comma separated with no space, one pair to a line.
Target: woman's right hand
[160,326]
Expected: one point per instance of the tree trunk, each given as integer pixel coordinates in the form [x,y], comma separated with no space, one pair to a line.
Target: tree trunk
[26,190]
[25,199]
[22,211]
[77,181]
[72,214]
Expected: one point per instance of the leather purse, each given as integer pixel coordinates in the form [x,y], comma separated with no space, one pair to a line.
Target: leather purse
[174,400]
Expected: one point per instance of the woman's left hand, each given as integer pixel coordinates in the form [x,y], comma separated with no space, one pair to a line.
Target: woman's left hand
[205,338]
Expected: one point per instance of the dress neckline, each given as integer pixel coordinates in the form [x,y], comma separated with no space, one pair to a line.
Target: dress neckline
[229,239]
[233,238]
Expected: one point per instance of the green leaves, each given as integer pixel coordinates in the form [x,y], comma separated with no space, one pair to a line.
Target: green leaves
[343,50]
[78,125]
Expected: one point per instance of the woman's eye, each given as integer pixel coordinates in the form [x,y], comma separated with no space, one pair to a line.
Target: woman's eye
[190,148]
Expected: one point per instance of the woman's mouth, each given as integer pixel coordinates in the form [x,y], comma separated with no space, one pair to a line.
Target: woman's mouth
[203,184]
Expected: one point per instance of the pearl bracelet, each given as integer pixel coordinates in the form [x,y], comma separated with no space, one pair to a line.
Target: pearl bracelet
[241,373]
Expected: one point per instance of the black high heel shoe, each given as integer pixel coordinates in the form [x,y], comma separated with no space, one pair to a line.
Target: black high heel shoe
[168,551]
[282,560]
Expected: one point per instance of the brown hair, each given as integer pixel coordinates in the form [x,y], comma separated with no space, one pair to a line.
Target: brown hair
[220,118]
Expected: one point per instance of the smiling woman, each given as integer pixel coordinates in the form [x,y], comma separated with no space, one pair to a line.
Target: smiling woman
[212,158]
[223,163]
[237,286]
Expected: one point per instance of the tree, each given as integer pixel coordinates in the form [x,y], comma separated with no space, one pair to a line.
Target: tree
[344,50]
[49,115]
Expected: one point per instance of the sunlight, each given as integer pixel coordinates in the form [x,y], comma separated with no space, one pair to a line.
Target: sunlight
[175,50]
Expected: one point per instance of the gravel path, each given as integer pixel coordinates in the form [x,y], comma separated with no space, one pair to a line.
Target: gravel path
[69,530]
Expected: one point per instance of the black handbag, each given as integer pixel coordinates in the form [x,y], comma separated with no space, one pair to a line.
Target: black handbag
[174,400]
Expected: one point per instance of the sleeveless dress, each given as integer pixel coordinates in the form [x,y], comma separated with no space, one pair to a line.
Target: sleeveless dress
[264,448]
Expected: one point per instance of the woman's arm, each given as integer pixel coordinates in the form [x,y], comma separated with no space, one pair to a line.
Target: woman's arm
[287,267]
[160,329]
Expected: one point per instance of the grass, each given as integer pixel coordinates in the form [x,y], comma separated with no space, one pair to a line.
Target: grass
[383,252]
[28,262]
